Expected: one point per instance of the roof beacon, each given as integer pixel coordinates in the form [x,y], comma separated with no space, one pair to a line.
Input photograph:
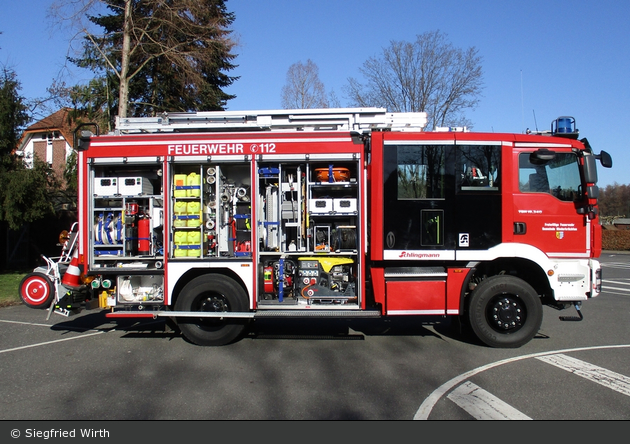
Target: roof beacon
[565,127]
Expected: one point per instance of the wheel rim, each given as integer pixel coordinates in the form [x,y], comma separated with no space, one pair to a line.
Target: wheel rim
[35,290]
[214,303]
[506,313]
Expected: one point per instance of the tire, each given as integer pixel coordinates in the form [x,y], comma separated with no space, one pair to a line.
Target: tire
[505,312]
[212,293]
[36,290]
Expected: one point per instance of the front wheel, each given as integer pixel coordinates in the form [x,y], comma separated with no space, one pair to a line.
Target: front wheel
[505,312]
[36,290]
[212,293]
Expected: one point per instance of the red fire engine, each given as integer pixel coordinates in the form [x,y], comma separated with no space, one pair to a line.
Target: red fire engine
[218,218]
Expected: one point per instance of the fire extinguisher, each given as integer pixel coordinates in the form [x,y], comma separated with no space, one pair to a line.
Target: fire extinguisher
[144,236]
[268,280]
[131,229]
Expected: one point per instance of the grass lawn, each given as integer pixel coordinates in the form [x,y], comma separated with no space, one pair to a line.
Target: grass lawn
[9,283]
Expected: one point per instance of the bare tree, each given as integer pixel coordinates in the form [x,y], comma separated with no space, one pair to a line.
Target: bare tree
[333,100]
[303,89]
[428,75]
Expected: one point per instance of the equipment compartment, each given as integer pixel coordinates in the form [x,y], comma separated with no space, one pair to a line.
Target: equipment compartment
[211,211]
[307,219]
[309,281]
[127,218]
[140,289]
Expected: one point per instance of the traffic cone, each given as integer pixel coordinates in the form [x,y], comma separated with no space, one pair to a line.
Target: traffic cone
[71,277]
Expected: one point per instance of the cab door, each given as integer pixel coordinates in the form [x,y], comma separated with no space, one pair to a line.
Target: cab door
[478,204]
[546,203]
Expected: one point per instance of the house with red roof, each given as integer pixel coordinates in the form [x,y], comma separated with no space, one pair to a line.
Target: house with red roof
[50,139]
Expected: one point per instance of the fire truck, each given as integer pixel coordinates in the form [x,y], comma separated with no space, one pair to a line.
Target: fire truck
[215,219]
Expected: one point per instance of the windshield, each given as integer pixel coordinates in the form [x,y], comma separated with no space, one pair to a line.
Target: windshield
[559,177]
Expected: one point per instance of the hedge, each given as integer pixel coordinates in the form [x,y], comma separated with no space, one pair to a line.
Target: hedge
[617,240]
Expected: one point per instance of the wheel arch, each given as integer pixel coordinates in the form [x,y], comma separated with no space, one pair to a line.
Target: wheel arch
[194,273]
[525,269]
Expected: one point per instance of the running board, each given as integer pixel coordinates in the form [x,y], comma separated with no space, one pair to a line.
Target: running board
[249,315]
[318,314]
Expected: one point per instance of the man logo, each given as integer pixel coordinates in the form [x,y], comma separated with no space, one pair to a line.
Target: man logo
[390,240]
[464,240]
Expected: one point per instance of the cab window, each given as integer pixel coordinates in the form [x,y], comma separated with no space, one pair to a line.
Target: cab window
[479,167]
[420,172]
[559,177]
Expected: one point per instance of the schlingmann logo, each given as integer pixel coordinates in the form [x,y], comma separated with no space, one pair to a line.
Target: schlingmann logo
[407,254]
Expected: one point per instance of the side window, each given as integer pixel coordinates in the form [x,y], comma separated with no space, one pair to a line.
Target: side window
[420,172]
[480,167]
[559,177]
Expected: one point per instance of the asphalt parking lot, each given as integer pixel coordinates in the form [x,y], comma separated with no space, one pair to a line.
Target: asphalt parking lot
[86,368]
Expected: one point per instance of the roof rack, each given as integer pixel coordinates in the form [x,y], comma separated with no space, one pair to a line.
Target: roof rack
[326,119]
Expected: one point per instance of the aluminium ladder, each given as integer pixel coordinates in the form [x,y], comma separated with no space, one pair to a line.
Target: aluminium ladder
[326,119]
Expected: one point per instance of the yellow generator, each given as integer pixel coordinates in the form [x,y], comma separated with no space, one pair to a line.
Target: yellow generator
[326,279]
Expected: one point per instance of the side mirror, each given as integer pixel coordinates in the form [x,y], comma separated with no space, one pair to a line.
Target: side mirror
[605,159]
[592,191]
[590,168]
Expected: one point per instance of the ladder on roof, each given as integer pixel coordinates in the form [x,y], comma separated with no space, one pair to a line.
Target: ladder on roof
[328,119]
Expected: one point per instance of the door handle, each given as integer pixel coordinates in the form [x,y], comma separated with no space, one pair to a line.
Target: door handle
[520,228]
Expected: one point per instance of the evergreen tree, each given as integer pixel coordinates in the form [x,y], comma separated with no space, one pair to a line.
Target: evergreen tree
[163,55]
[28,194]
[13,118]
[25,194]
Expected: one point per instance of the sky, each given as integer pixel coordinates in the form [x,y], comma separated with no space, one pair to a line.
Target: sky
[541,59]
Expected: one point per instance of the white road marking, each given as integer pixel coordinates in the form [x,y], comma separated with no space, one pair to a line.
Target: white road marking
[606,287]
[615,292]
[93,330]
[425,408]
[51,342]
[26,323]
[66,327]
[615,265]
[600,375]
[608,281]
[482,405]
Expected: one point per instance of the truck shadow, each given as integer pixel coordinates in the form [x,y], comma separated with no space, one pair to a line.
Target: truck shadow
[96,321]
[281,328]
[342,329]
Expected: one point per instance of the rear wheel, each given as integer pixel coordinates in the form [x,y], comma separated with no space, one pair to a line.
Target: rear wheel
[505,312]
[36,290]
[212,293]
